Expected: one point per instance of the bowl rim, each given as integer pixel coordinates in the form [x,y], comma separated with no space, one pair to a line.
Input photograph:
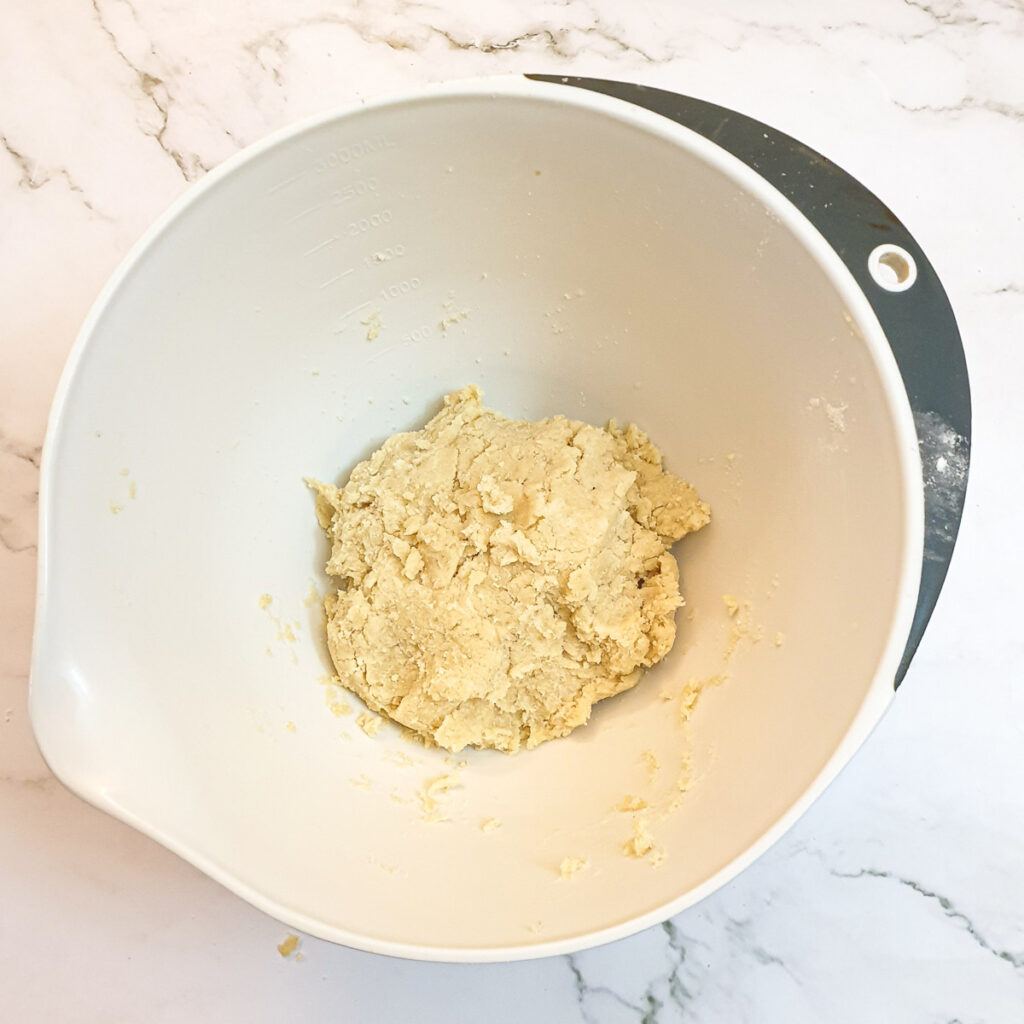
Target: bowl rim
[46,664]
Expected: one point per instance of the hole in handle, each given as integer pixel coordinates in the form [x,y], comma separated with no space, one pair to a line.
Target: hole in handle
[892,268]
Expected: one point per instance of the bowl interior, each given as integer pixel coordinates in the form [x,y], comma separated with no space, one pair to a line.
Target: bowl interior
[569,259]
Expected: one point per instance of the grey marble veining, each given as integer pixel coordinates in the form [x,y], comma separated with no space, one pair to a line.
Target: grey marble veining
[900,895]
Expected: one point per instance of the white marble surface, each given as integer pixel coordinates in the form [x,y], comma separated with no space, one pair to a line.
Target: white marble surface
[900,896]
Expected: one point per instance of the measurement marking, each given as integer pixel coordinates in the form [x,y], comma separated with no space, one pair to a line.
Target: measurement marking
[355,309]
[321,245]
[284,184]
[337,277]
[305,213]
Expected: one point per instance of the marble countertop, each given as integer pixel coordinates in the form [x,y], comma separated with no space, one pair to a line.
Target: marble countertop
[900,896]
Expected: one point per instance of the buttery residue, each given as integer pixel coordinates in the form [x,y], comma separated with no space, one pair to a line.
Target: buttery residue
[631,803]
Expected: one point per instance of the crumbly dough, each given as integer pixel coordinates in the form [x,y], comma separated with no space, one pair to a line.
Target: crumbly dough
[641,842]
[499,577]
[570,866]
[370,724]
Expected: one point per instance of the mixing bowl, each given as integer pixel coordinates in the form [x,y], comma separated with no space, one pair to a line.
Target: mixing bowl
[576,247]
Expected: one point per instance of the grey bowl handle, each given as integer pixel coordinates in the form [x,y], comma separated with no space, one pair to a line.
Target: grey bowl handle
[918,323]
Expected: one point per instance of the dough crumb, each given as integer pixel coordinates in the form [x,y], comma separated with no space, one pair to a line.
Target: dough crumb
[499,577]
[650,758]
[454,317]
[631,803]
[570,866]
[451,315]
[742,629]
[836,417]
[835,414]
[290,726]
[370,724]
[372,324]
[641,843]
[312,596]
[288,946]
[779,639]
[115,508]
[361,782]
[334,697]
[692,691]
[433,794]
[732,606]
[285,630]
[686,779]
[490,825]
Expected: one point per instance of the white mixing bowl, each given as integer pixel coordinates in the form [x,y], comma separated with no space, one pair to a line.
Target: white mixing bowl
[609,263]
